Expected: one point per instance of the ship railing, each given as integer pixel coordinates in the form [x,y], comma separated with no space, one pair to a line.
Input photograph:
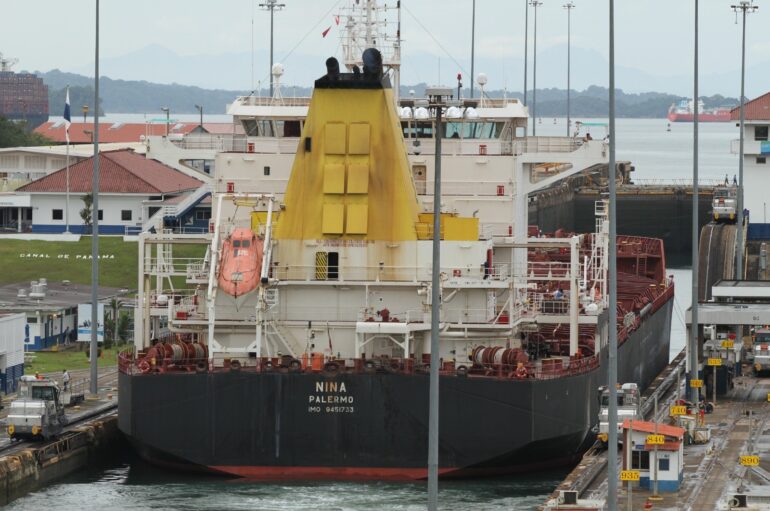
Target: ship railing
[471,188]
[676,183]
[175,266]
[386,273]
[546,145]
[320,363]
[482,147]
[269,101]
[226,142]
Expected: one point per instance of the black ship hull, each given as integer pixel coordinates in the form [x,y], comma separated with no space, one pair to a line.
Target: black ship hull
[374,426]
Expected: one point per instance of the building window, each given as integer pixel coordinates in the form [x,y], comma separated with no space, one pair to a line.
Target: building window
[203,214]
[761,159]
[101,215]
[663,464]
[760,132]
[125,215]
[640,460]
[57,214]
[267,170]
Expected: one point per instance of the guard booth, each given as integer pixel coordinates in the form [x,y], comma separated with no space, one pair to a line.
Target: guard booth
[669,456]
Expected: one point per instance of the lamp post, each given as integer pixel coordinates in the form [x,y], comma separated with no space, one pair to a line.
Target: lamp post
[473,46]
[743,6]
[437,97]
[693,350]
[271,5]
[168,117]
[569,6]
[200,109]
[612,276]
[94,349]
[85,113]
[526,47]
[535,4]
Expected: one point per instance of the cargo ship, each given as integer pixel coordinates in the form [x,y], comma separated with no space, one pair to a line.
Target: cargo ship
[23,96]
[683,112]
[302,351]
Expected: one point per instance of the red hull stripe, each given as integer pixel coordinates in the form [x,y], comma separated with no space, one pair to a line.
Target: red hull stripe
[332,473]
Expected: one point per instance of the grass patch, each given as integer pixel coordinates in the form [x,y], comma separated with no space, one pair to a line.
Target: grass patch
[59,261]
[56,361]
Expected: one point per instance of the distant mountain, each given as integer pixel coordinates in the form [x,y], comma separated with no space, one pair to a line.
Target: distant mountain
[232,71]
[123,96]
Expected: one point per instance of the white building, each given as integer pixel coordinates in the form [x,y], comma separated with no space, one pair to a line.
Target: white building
[756,167]
[132,188]
[12,335]
[669,456]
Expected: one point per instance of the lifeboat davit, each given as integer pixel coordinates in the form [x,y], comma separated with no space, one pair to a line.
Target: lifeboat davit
[241,262]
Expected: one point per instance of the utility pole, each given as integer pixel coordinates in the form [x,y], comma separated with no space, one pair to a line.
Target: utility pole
[535,4]
[526,49]
[473,46]
[612,412]
[271,5]
[744,6]
[437,98]
[693,362]
[94,388]
[569,6]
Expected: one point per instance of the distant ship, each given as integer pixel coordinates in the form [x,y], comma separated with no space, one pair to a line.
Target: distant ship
[23,96]
[683,112]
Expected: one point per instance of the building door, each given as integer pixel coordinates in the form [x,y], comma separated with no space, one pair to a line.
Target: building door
[419,174]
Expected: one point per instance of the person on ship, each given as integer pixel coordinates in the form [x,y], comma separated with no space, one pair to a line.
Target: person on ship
[588,137]
[558,294]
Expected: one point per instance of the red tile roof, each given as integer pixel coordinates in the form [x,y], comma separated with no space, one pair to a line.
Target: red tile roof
[649,427]
[123,132]
[757,109]
[120,171]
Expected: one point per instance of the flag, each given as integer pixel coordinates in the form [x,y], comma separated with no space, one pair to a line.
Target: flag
[337,20]
[67,118]
[326,31]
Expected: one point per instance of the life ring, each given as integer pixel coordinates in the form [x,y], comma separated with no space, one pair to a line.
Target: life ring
[462,371]
[267,366]
[235,365]
[201,367]
[520,373]
[144,366]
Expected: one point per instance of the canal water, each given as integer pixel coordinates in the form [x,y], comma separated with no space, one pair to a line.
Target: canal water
[128,483]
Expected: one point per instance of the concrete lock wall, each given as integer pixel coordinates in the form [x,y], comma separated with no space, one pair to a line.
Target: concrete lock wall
[28,470]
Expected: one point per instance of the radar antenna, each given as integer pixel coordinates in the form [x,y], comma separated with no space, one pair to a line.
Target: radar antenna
[7,64]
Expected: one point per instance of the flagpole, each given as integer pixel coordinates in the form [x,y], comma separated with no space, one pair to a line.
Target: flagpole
[67,128]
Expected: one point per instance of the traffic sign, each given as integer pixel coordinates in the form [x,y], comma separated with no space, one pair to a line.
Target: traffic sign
[749,461]
[728,344]
[678,410]
[714,362]
[629,475]
[655,439]
[696,384]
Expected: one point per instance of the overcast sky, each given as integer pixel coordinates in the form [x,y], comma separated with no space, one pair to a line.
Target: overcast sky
[654,36]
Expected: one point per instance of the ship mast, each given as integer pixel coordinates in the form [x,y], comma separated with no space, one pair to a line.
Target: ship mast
[366,25]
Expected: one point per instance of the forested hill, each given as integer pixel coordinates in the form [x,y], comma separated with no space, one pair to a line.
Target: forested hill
[123,96]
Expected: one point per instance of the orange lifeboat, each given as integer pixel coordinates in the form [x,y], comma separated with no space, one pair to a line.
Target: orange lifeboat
[241,262]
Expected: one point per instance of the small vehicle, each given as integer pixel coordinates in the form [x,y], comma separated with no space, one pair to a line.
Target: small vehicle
[725,203]
[761,350]
[38,413]
[628,408]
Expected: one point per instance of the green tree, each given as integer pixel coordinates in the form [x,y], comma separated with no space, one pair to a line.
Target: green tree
[13,135]
[86,212]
